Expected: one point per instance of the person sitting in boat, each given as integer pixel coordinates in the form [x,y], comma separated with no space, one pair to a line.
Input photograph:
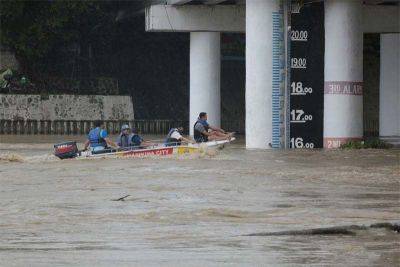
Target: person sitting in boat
[204,132]
[98,139]
[137,140]
[124,139]
[175,138]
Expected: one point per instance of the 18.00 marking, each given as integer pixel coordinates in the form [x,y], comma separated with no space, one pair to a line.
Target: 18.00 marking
[298,89]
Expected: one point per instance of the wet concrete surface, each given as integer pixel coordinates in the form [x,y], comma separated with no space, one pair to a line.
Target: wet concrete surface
[196,210]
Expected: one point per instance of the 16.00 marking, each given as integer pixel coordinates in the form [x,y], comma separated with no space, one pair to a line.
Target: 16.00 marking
[298,116]
[298,142]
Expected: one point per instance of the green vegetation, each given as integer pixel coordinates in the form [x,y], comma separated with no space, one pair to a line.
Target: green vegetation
[375,143]
[41,33]
[101,47]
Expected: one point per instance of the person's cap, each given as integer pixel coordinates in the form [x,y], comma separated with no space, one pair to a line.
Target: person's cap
[125,127]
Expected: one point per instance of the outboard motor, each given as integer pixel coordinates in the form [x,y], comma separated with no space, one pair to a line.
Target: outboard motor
[67,150]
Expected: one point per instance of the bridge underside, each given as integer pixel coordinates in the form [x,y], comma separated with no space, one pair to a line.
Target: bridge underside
[266,25]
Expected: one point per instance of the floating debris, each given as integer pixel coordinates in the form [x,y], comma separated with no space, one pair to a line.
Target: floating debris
[336,230]
[121,198]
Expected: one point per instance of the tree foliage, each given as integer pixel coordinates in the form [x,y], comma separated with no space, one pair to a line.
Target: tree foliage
[43,32]
[67,46]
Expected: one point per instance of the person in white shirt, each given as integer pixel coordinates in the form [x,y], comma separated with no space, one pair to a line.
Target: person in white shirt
[175,138]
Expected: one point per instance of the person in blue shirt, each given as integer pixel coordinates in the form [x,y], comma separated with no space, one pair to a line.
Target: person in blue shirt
[138,142]
[136,139]
[98,139]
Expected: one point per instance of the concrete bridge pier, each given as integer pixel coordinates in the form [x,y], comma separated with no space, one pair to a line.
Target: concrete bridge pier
[205,73]
[343,89]
[389,92]
[259,32]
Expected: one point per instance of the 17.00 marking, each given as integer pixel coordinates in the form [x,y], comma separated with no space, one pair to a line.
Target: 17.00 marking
[298,116]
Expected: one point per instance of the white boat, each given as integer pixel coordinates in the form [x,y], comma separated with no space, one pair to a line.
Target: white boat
[69,150]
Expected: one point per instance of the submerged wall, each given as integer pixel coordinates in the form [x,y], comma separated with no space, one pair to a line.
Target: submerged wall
[62,114]
[65,107]
[70,114]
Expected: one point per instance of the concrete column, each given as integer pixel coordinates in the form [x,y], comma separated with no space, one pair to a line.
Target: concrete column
[259,30]
[205,73]
[343,103]
[389,91]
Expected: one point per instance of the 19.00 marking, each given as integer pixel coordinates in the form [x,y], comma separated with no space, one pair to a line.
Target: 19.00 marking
[298,89]
[298,116]
[298,142]
[298,63]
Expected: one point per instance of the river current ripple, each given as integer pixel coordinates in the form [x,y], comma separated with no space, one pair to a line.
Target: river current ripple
[196,210]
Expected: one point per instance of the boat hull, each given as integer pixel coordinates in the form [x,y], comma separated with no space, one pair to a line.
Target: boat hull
[157,151]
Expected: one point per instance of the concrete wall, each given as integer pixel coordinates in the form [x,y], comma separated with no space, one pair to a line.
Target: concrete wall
[389,93]
[65,107]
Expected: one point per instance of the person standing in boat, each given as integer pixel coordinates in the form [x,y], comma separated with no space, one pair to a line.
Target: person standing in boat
[98,139]
[204,132]
[175,138]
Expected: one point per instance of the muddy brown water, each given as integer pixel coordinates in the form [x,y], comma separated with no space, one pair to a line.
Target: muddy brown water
[195,210]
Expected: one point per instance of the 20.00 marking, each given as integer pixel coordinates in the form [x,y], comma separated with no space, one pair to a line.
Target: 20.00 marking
[299,35]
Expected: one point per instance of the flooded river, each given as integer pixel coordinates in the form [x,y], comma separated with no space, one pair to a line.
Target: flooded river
[196,210]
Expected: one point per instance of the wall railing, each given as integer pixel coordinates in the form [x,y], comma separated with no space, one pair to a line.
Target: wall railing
[65,127]
[61,127]
[69,127]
